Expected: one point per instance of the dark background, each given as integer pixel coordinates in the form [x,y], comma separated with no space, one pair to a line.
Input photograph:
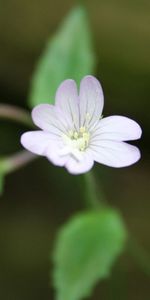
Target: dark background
[40,197]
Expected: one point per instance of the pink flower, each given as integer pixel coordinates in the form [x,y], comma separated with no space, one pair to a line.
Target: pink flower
[73,133]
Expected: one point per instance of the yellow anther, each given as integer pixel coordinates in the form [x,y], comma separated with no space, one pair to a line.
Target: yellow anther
[86,136]
[82,129]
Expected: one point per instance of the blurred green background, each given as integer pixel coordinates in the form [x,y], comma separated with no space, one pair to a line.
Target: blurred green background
[40,197]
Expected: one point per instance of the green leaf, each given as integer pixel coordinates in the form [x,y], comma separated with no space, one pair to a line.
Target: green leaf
[68,55]
[85,251]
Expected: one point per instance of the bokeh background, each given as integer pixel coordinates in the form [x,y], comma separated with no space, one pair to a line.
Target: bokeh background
[39,198]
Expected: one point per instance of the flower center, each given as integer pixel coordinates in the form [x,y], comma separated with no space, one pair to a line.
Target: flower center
[78,139]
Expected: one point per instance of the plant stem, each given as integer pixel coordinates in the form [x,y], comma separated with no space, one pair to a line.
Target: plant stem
[92,192]
[16,114]
[16,161]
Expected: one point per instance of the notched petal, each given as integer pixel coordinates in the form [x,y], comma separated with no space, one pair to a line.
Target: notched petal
[68,102]
[36,141]
[48,118]
[76,167]
[117,128]
[91,100]
[114,154]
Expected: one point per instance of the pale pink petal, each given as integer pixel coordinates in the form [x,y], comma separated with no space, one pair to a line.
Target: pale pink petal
[46,117]
[78,167]
[114,154]
[117,128]
[66,150]
[91,101]
[45,144]
[67,101]
[55,158]
[36,141]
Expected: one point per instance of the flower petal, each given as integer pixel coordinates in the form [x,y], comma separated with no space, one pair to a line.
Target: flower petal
[45,144]
[114,154]
[67,101]
[46,117]
[79,166]
[54,157]
[117,128]
[36,141]
[91,100]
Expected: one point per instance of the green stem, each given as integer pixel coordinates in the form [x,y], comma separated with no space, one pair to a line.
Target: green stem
[15,114]
[92,192]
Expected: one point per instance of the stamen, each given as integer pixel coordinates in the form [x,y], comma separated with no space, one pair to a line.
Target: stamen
[77,140]
[82,129]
